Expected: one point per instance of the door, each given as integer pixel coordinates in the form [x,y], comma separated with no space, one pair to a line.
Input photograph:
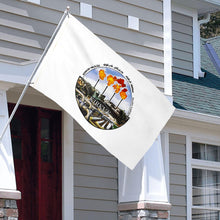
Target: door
[36,142]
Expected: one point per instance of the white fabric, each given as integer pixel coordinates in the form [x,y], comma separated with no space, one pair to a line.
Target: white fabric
[76,49]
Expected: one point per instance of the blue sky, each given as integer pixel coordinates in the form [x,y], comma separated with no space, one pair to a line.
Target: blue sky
[92,77]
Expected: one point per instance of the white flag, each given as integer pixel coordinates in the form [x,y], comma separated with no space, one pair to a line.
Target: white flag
[110,99]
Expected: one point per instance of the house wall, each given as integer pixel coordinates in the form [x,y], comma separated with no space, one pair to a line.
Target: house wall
[182,33]
[95,175]
[26,29]
[177,156]
[190,127]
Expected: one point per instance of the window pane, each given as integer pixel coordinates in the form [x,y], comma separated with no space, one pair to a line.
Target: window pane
[45,128]
[198,151]
[199,186]
[199,178]
[213,152]
[46,151]
[199,214]
[206,190]
[206,152]
[17,149]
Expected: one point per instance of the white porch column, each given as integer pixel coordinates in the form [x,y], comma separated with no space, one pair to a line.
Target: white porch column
[8,192]
[144,188]
[67,166]
[7,180]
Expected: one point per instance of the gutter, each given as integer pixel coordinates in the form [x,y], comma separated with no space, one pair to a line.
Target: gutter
[206,19]
[195,116]
[215,2]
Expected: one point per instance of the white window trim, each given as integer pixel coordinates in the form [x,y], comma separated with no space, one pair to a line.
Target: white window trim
[196,36]
[200,164]
[189,176]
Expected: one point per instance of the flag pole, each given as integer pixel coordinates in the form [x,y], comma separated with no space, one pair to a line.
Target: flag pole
[66,12]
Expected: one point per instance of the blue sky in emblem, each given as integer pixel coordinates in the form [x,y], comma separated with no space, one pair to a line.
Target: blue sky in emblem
[93,76]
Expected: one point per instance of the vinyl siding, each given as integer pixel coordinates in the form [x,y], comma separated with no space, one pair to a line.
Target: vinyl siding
[26,29]
[177,157]
[95,175]
[182,33]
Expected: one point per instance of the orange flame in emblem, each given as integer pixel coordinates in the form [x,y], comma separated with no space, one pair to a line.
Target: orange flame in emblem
[102,74]
[117,88]
[121,81]
[110,80]
[123,94]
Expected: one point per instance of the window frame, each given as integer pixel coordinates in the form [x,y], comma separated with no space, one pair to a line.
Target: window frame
[198,164]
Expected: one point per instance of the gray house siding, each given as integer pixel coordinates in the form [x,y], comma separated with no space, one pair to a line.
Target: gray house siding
[177,157]
[95,175]
[182,33]
[26,29]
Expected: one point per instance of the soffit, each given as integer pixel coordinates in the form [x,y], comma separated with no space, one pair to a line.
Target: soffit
[203,6]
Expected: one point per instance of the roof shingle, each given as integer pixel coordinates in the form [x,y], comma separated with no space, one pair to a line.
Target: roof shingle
[199,95]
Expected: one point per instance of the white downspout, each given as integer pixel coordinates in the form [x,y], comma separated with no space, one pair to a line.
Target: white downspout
[200,22]
[205,20]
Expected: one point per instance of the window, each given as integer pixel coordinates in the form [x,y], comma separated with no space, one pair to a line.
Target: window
[205,181]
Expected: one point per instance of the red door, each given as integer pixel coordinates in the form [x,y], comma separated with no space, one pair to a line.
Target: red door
[36,142]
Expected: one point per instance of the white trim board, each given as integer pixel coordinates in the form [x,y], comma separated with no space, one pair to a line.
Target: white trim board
[189,176]
[16,73]
[67,167]
[196,116]
[167,24]
[166,155]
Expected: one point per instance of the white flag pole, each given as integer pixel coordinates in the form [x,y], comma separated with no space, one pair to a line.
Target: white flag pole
[66,12]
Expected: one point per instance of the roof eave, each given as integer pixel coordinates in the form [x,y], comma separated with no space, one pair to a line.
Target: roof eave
[202,6]
[215,2]
[196,116]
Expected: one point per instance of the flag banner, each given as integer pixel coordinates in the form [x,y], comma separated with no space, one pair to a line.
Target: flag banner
[119,107]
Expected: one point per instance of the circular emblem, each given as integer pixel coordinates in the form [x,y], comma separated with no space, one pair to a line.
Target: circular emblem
[104,96]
